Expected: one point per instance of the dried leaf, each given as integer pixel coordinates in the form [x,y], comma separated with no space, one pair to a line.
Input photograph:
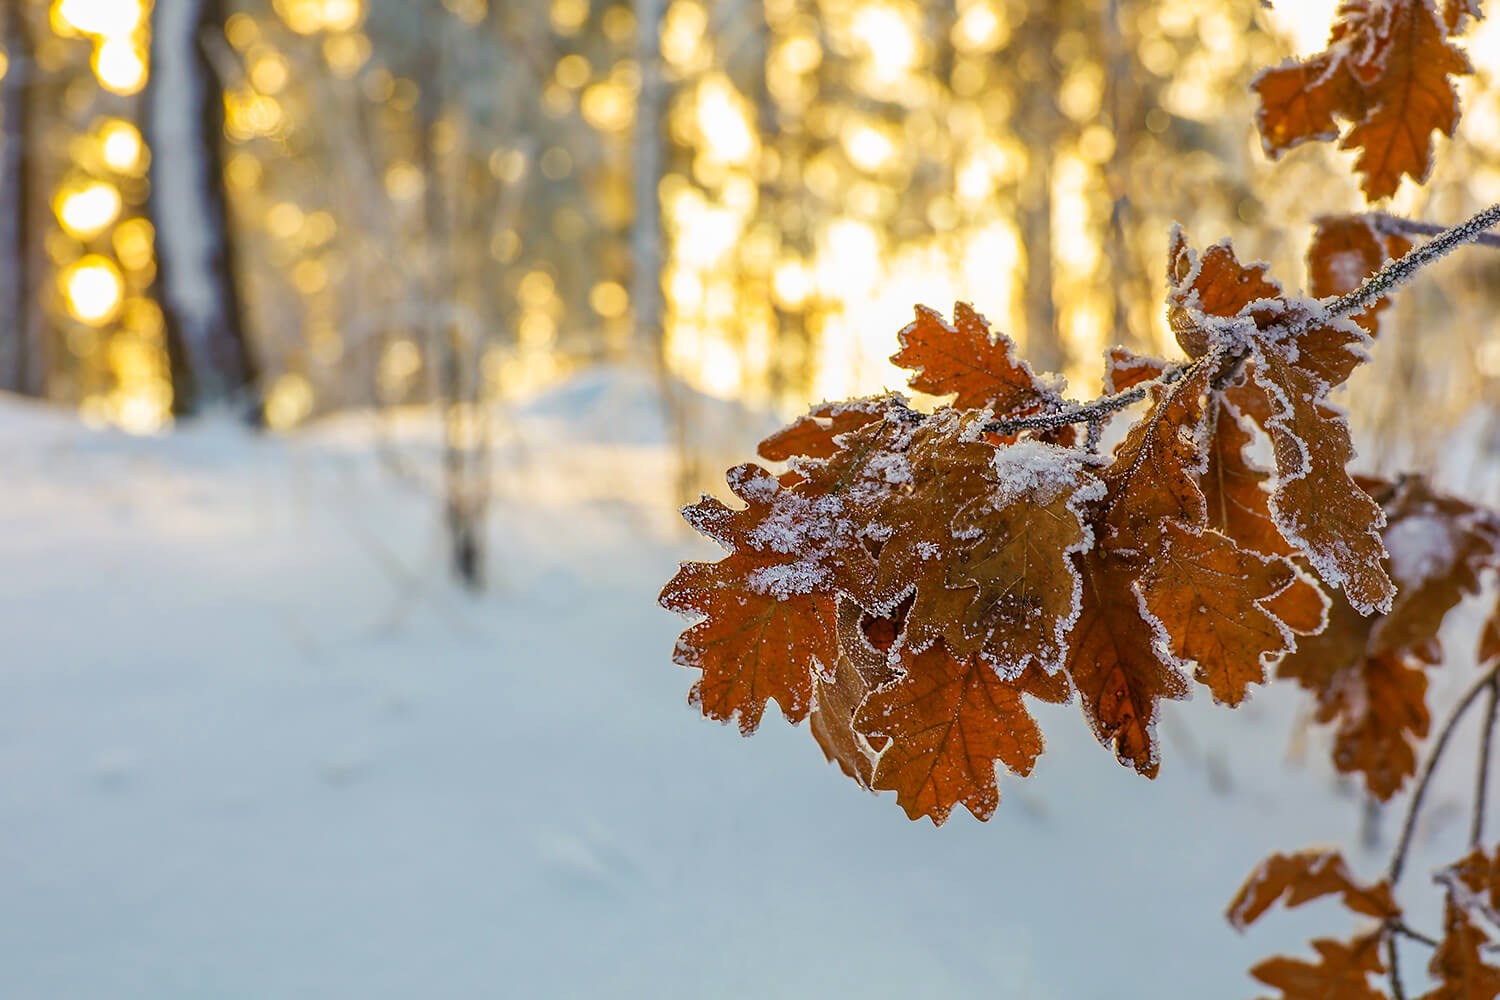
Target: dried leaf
[1206,293]
[949,720]
[767,626]
[1211,599]
[1018,575]
[816,435]
[1236,490]
[966,359]
[1342,971]
[1124,369]
[1154,475]
[1387,69]
[1316,505]
[1114,666]
[1303,877]
[1458,964]
[1345,250]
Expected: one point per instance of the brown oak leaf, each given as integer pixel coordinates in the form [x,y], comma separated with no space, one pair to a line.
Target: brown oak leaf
[1345,250]
[1458,13]
[1316,505]
[1154,475]
[948,719]
[1387,69]
[1458,964]
[1213,601]
[1236,490]
[1342,971]
[1207,292]
[767,623]
[1017,572]
[1303,877]
[816,435]
[862,667]
[1124,369]
[1113,663]
[966,359]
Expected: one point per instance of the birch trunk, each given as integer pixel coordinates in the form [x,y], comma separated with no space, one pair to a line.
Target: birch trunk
[211,363]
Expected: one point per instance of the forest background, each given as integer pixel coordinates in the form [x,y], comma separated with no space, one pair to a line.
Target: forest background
[454,215]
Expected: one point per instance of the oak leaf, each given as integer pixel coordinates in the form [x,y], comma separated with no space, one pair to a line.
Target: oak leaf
[767,625]
[1458,964]
[1114,666]
[1124,369]
[816,435]
[1303,877]
[862,667]
[1316,505]
[1235,489]
[1387,69]
[1213,600]
[1345,250]
[1209,294]
[1489,639]
[948,719]
[966,359]
[1017,574]
[1342,971]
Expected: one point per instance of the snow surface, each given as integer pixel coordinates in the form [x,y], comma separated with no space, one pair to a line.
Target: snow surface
[253,744]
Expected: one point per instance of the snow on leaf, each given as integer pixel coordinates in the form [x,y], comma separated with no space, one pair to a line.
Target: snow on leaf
[1342,971]
[1458,963]
[964,358]
[1211,598]
[1387,69]
[1113,664]
[949,719]
[1345,250]
[1458,13]
[1301,878]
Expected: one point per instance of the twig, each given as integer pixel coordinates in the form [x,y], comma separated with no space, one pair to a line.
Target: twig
[1393,225]
[1398,860]
[1482,779]
[1086,413]
[1397,991]
[1398,271]
[1400,927]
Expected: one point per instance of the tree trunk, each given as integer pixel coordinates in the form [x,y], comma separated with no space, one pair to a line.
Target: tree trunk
[211,362]
[22,364]
[1039,129]
[646,240]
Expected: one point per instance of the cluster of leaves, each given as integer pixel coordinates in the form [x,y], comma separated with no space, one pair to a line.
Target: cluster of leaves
[1388,70]
[912,577]
[909,578]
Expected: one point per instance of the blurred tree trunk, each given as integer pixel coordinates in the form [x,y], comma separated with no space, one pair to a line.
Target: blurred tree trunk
[22,364]
[211,361]
[1039,128]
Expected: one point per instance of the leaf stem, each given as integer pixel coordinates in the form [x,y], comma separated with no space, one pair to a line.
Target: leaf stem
[1482,779]
[1398,860]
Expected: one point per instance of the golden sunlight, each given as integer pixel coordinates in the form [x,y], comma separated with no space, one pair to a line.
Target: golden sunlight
[121,144]
[86,209]
[120,65]
[93,289]
[105,18]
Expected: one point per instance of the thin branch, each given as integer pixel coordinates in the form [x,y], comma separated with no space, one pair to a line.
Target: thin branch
[1404,930]
[1393,225]
[1086,413]
[1398,992]
[1398,271]
[1398,860]
[1482,779]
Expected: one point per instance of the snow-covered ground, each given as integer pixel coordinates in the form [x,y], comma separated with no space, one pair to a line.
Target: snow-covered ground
[253,744]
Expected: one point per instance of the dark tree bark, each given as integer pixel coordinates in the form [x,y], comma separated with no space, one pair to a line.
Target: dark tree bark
[22,362]
[1039,127]
[211,361]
